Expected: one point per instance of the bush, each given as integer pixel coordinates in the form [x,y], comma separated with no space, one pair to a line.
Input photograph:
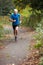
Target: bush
[32,21]
[41,61]
[38,45]
[39,36]
[24,21]
[1,31]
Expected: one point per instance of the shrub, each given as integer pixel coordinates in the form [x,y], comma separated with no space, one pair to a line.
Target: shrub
[1,31]
[39,36]
[24,21]
[38,45]
[32,21]
[41,61]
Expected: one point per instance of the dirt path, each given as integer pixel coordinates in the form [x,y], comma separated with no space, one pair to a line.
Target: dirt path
[15,52]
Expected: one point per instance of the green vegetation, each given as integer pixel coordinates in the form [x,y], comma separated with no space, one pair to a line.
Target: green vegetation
[34,4]
[41,61]
[31,10]
[32,16]
[31,19]
[4,20]
[1,30]
[5,7]
[39,40]
[39,36]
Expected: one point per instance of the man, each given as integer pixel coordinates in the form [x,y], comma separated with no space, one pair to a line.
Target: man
[15,19]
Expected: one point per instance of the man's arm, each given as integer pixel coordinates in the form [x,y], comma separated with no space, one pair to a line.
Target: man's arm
[12,20]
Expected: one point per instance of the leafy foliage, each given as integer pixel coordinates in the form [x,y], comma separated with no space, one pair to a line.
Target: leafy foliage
[35,4]
[39,35]
[38,45]
[32,20]
[1,31]
[4,20]
[41,61]
[5,6]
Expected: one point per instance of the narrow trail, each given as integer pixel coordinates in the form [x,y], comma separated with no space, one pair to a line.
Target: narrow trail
[15,52]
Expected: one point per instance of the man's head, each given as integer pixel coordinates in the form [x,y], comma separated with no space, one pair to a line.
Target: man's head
[15,11]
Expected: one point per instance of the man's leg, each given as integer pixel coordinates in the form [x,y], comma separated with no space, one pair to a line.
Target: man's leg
[16,33]
[15,28]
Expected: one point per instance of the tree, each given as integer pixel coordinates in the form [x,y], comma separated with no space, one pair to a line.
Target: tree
[35,4]
[5,6]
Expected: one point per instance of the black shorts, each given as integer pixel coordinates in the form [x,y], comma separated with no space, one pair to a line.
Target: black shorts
[14,26]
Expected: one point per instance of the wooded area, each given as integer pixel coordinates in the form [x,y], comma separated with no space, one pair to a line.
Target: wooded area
[32,19]
[7,5]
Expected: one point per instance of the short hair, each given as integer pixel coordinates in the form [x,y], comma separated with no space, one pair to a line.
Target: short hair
[16,10]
